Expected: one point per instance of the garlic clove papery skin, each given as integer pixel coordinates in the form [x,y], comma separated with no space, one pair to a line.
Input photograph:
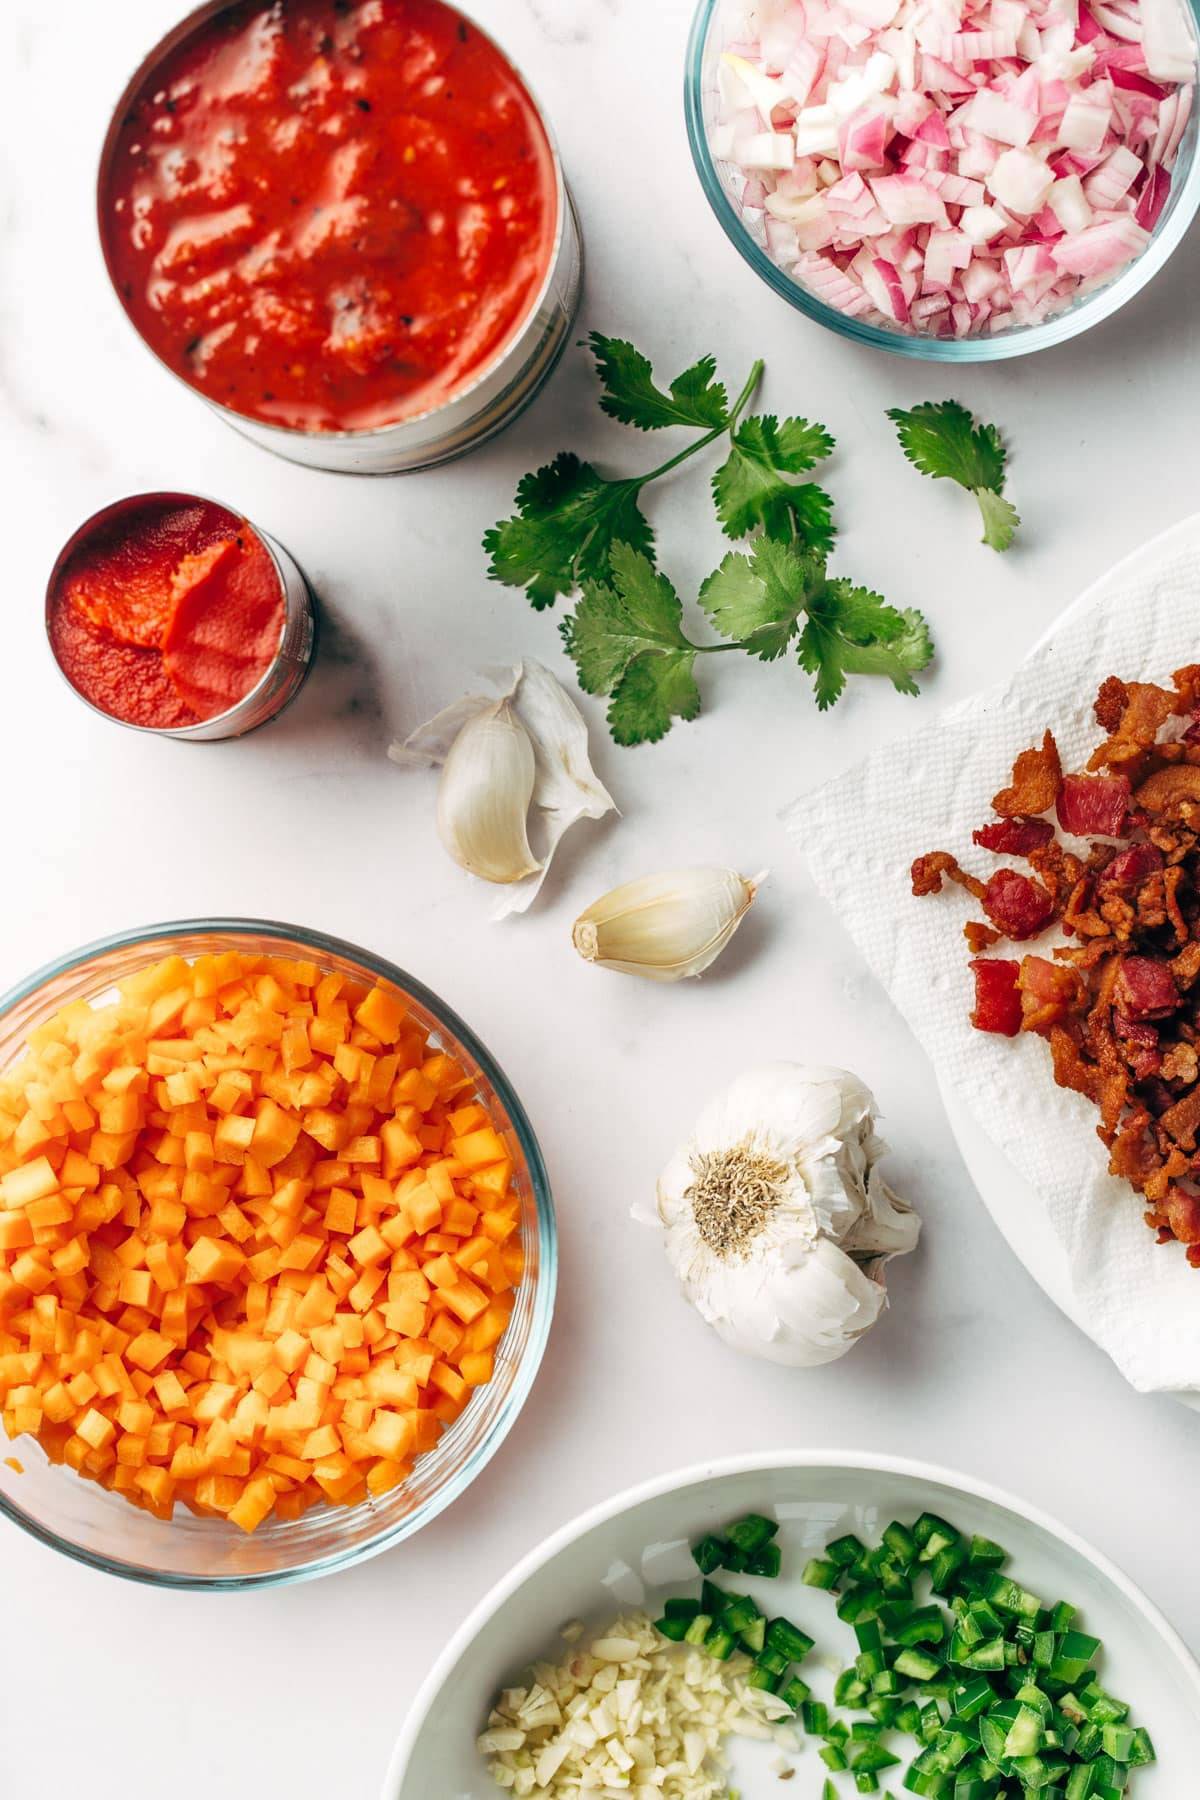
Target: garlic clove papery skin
[666,927]
[776,1218]
[484,793]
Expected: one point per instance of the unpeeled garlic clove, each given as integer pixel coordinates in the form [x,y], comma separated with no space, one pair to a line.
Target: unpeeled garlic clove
[565,786]
[484,794]
[666,927]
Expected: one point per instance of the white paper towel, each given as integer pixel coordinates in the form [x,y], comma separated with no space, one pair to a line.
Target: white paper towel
[859,835]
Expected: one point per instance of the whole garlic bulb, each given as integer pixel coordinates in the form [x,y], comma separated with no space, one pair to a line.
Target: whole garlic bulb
[776,1218]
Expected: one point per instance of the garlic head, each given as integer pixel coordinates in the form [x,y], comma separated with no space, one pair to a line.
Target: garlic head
[484,794]
[776,1218]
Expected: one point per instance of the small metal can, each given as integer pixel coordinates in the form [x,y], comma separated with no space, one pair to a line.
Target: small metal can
[279,684]
[489,402]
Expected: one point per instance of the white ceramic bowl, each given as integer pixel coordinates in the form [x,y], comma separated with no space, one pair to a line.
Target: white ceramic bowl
[631,1549]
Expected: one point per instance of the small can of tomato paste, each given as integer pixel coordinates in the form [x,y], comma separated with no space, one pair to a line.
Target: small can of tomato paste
[171,613]
[343,223]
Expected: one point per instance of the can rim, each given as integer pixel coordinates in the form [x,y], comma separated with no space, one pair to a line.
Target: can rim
[178,34]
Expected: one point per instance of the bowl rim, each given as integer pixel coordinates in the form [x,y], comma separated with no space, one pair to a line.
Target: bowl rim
[544,1293]
[758,1462]
[198,15]
[1022,341]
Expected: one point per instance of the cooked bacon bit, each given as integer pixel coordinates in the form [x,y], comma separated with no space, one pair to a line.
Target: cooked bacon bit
[1036,777]
[1181,1063]
[1173,791]
[1145,989]
[1093,805]
[1110,703]
[1147,709]
[1133,1153]
[1013,837]
[1059,870]
[1187,688]
[1182,1121]
[1136,1036]
[1172,881]
[1070,1070]
[1018,907]
[928,871]
[997,998]
[1183,1210]
[979,936]
[1048,992]
[1129,867]
[1186,967]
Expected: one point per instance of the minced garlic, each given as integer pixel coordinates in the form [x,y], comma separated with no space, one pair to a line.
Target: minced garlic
[625,1716]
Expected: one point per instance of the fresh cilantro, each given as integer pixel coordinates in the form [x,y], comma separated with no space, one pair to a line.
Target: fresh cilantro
[851,631]
[751,487]
[758,599]
[942,439]
[626,640]
[567,521]
[696,396]
[578,531]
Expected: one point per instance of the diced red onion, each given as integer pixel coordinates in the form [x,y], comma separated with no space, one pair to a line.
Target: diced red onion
[953,167]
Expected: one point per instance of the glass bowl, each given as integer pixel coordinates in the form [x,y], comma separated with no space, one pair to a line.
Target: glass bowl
[101,1529]
[700,98]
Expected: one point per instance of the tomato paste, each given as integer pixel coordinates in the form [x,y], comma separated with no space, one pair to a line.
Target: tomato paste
[330,214]
[169,612]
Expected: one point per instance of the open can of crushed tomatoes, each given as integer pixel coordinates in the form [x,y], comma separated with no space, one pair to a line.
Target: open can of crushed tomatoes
[172,614]
[343,223]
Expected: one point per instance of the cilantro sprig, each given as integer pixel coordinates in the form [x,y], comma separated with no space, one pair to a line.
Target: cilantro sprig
[576,530]
[943,440]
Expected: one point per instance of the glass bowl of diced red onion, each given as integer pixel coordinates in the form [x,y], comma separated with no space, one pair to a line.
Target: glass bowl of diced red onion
[959,180]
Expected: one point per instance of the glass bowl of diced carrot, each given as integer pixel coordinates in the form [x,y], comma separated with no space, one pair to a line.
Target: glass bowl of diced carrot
[277,1254]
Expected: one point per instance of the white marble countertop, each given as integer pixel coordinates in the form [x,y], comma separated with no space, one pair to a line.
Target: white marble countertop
[129,1693]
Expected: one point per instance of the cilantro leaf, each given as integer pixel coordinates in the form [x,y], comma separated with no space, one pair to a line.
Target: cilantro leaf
[696,397]
[757,599]
[655,689]
[852,631]
[750,488]
[568,518]
[626,640]
[1000,518]
[942,440]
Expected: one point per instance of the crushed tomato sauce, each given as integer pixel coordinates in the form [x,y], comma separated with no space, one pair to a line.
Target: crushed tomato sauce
[168,613]
[330,215]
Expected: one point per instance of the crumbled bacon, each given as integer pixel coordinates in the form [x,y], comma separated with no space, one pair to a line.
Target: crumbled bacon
[929,870]
[1013,837]
[1129,867]
[979,936]
[1110,703]
[1145,989]
[1120,1001]
[1183,1213]
[1048,991]
[997,997]
[1035,782]
[1093,805]
[1018,906]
